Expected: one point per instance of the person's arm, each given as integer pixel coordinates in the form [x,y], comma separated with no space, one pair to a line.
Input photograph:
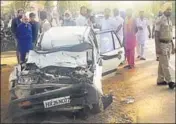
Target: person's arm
[35,32]
[173,49]
[149,30]
[157,35]
[135,25]
[153,31]
[13,26]
[46,27]
[18,29]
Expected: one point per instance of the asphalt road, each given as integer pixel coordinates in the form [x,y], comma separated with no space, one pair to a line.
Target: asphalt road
[149,103]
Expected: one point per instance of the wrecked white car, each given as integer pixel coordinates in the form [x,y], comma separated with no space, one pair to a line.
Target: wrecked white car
[65,70]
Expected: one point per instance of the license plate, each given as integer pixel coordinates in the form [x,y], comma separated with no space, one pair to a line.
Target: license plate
[56,101]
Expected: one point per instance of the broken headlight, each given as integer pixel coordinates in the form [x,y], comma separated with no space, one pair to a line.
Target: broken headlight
[26,80]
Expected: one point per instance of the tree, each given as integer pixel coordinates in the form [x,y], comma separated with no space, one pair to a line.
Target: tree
[73,6]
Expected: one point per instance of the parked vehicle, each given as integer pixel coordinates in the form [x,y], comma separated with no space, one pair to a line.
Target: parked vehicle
[64,72]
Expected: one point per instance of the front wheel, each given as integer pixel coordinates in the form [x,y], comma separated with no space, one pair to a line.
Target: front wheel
[99,107]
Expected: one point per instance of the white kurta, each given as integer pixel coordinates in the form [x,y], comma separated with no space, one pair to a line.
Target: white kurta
[120,21]
[107,24]
[81,21]
[106,44]
[142,35]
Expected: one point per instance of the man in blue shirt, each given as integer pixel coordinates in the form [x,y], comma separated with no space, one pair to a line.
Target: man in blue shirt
[15,22]
[24,38]
[35,27]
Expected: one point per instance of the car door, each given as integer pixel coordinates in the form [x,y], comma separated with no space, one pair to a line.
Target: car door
[111,50]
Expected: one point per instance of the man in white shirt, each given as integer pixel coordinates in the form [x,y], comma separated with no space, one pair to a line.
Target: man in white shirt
[106,38]
[119,22]
[107,22]
[45,24]
[142,34]
[82,20]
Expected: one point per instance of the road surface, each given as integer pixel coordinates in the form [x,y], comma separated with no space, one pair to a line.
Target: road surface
[149,103]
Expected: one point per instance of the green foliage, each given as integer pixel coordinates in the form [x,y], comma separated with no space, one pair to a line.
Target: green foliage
[73,6]
[150,8]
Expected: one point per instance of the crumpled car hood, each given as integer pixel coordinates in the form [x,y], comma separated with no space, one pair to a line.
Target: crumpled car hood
[60,58]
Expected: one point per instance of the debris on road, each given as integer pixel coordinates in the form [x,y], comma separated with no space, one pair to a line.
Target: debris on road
[128,100]
[107,100]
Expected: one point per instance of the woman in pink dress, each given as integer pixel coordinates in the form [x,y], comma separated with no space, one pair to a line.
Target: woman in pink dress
[130,39]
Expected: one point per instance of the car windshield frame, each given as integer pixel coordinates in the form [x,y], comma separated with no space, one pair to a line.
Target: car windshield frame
[86,43]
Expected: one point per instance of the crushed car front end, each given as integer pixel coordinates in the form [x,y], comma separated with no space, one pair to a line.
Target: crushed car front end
[66,89]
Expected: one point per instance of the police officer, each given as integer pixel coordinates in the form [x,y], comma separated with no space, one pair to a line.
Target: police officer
[163,36]
[160,13]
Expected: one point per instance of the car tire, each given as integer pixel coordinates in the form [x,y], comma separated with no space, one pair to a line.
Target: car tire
[99,107]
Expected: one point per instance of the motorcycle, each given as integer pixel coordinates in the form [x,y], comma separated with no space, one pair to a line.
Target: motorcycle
[7,41]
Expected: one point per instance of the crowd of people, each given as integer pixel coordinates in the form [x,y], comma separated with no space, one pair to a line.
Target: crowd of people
[132,32]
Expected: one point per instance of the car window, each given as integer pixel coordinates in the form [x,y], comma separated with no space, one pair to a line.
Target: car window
[116,42]
[105,42]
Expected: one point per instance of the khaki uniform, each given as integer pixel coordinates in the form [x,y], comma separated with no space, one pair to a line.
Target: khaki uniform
[164,27]
[156,45]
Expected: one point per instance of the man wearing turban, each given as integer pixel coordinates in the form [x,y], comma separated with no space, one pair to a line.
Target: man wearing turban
[164,39]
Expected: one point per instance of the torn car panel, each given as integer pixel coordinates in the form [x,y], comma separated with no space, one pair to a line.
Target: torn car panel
[64,59]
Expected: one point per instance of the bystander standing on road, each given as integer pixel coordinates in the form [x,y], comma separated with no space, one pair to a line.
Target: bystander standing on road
[119,22]
[153,32]
[120,27]
[24,36]
[45,24]
[68,21]
[164,37]
[130,38]
[82,18]
[15,22]
[142,34]
[35,27]
[107,22]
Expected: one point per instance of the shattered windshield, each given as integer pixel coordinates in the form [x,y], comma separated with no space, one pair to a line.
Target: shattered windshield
[65,37]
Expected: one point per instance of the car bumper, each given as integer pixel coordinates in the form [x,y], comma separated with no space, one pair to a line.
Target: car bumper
[80,95]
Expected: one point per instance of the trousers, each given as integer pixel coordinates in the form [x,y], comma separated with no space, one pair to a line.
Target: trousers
[130,55]
[164,72]
[17,52]
[156,48]
[140,50]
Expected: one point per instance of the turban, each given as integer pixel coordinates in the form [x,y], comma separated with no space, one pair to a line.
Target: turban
[166,6]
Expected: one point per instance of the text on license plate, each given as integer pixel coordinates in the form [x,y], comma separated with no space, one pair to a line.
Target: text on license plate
[56,101]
